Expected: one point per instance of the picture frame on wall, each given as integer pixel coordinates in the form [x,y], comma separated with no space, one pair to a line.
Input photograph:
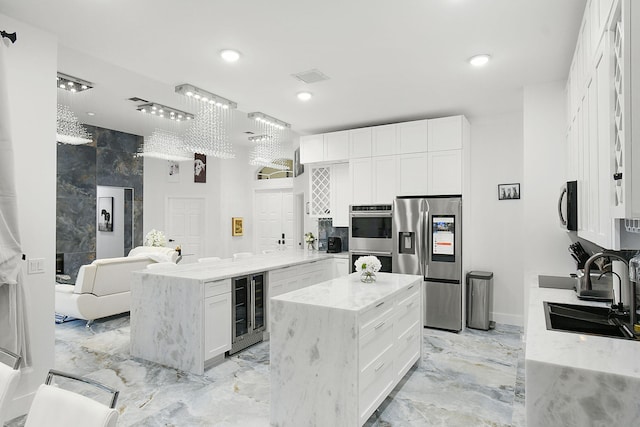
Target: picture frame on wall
[105,214]
[199,167]
[237,226]
[509,191]
[173,171]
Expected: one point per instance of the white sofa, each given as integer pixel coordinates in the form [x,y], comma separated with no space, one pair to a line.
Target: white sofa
[103,288]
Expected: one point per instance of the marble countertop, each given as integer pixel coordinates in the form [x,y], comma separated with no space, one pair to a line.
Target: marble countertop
[349,293]
[227,268]
[580,351]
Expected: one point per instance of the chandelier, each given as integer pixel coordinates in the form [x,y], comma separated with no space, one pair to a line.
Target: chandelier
[165,145]
[68,129]
[210,128]
[268,150]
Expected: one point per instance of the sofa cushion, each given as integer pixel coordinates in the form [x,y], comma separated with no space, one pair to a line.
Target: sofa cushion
[157,253]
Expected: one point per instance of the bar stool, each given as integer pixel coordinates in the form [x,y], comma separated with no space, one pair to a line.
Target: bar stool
[240,255]
[9,378]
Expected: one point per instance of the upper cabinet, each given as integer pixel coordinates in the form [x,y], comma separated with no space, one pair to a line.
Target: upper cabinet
[359,143]
[328,147]
[413,136]
[384,140]
[602,129]
[336,145]
[445,133]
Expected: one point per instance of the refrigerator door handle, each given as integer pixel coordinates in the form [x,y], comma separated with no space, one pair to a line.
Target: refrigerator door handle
[424,227]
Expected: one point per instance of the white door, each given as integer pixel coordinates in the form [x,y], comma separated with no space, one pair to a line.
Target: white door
[185,226]
[274,218]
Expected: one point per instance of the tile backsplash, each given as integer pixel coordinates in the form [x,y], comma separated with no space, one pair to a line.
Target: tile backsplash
[326,230]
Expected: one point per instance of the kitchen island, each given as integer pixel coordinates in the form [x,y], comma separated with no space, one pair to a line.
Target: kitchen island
[339,348]
[577,379]
[181,314]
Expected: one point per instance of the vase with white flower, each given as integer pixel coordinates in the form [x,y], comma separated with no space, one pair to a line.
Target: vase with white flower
[155,238]
[310,239]
[368,266]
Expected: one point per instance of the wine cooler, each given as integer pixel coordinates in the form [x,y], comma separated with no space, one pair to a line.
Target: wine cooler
[248,310]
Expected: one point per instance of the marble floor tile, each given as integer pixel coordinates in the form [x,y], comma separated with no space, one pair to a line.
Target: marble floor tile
[473,378]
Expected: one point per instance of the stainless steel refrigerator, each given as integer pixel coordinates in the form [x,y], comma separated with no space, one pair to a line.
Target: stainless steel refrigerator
[427,240]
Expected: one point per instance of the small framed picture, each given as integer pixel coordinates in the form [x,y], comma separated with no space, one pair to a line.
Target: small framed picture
[199,167]
[173,171]
[105,214]
[236,226]
[298,168]
[508,191]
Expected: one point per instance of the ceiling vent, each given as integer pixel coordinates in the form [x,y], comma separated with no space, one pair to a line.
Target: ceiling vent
[311,76]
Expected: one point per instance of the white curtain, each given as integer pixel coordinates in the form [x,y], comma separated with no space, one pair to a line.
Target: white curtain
[13,315]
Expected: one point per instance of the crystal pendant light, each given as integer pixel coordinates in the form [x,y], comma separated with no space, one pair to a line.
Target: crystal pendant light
[68,129]
[165,145]
[209,130]
[268,150]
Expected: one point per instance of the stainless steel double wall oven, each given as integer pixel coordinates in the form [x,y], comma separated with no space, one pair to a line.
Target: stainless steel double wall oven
[370,233]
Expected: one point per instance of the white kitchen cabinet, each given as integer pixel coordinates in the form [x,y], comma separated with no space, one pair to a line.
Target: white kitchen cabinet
[340,194]
[378,340]
[320,191]
[384,140]
[360,171]
[384,176]
[330,189]
[412,172]
[360,143]
[445,133]
[341,267]
[445,172]
[413,136]
[312,149]
[336,146]
[217,318]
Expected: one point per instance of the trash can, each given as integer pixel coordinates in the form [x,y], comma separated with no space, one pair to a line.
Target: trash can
[479,299]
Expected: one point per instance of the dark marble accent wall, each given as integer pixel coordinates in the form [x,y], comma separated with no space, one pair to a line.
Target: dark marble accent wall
[326,229]
[109,160]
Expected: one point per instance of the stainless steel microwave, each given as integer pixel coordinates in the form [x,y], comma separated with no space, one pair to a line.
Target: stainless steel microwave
[370,228]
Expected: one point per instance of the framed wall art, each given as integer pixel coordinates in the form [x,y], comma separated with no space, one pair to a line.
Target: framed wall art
[173,171]
[237,228]
[199,168]
[508,191]
[105,214]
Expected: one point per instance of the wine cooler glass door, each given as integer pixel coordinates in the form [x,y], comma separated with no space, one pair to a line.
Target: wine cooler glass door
[241,298]
[259,301]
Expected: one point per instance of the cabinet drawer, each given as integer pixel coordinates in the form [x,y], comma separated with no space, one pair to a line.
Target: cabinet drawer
[407,312]
[374,315]
[376,341]
[216,288]
[407,349]
[375,383]
[283,273]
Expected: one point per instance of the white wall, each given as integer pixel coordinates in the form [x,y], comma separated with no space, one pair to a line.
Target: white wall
[31,63]
[228,193]
[544,124]
[496,227]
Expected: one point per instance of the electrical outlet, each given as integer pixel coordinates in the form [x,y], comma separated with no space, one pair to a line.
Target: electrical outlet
[35,266]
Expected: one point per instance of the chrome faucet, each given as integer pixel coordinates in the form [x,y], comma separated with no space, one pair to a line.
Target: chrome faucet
[632,288]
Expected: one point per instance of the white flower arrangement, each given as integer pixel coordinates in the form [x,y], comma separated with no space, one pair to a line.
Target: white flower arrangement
[155,238]
[368,264]
[309,238]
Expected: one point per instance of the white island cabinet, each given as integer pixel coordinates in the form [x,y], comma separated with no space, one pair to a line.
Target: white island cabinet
[339,348]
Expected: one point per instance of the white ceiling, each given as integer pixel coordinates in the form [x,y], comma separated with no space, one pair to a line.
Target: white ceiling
[388,61]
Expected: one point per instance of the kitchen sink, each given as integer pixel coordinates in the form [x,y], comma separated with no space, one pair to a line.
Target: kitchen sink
[584,319]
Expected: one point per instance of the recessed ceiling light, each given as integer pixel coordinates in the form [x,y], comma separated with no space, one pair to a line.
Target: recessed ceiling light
[304,96]
[90,113]
[230,55]
[479,60]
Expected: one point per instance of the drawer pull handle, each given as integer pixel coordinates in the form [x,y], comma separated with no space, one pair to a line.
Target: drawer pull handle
[379,325]
[410,304]
[379,367]
[410,287]
[379,304]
